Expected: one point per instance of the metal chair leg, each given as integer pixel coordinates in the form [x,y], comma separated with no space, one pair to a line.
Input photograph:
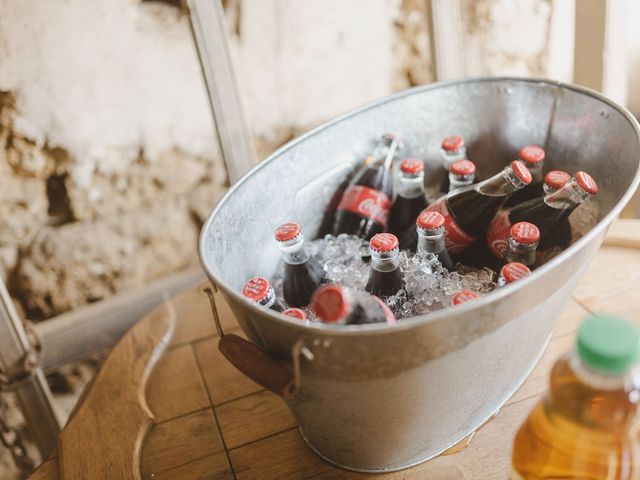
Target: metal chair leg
[21,374]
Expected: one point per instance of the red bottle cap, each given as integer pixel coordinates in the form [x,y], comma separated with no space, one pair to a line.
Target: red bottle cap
[587,183]
[384,242]
[411,166]
[453,143]
[514,271]
[556,179]
[330,303]
[287,231]
[531,154]
[464,296]
[295,313]
[463,168]
[430,220]
[525,232]
[256,289]
[521,171]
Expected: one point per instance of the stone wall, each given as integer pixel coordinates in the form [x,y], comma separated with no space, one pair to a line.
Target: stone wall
[108,163]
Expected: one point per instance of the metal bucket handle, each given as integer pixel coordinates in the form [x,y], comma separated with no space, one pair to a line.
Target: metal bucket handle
[255,363]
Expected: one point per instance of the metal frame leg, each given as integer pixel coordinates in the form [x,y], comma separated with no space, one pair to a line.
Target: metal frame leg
[22,375]
[210,35]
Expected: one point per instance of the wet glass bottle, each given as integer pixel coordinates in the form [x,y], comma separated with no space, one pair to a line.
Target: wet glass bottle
[410,199]
[453,149]
[511,272]
[334,305]
[302,273]
[430,233]
[533,157]
[462,173]
[260,291]
[554,181]
[463,296]
[586,426]
[548,213]
[364,207]
[385,277]
[522,244]
[295,313]
[469,211]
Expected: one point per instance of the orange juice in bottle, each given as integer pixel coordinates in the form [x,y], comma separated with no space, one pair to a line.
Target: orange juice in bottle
[586,427]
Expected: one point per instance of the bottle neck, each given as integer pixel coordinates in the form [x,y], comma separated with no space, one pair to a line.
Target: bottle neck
[536,171]
[384,153]
[269,299]
[460,181]
[294,251]
[411,186]
[568,197]
[430,241]
[385,262]
[451,157]
[519,252]
[597,379]
[548,189]
[501,184]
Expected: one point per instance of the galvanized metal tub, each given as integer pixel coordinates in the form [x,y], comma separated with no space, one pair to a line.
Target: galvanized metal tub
[382,398]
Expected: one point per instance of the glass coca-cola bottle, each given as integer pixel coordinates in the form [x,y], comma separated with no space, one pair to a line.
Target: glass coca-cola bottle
[295,313]
[548,213]
[410,200]
[430,232]
[468,211]
[522,244]
[512,272]
[453,149]
[462,173]
[302,273]
[364,207]
[334,305]
[533,157]
[260,291]
[463,296]
[554,181]
[385,276]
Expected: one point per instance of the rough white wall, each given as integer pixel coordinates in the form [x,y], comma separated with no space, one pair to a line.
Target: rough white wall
[103,79]
[300,63]
[519,37]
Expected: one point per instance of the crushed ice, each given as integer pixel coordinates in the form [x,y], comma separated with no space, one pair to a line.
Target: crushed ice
[428,285]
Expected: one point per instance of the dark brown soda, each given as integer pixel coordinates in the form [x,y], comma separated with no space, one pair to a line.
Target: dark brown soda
[552,222]
[472,210]
[404,213]
[384,284]
[300,281]
[354,224]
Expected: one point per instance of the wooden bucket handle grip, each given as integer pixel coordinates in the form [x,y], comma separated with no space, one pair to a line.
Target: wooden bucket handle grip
[253,362]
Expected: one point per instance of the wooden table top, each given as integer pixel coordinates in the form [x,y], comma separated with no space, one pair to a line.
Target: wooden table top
[202,419]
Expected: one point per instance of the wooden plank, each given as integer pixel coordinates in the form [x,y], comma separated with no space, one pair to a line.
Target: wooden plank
[177,442]
[570,319]
[224,383]
[252,418]
[284,456]
[194,316]
[105,436]
[212,467]
[47,470]
[176,387]
[612,271]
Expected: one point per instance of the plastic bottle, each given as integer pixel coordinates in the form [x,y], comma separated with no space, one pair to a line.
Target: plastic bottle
[586,426]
